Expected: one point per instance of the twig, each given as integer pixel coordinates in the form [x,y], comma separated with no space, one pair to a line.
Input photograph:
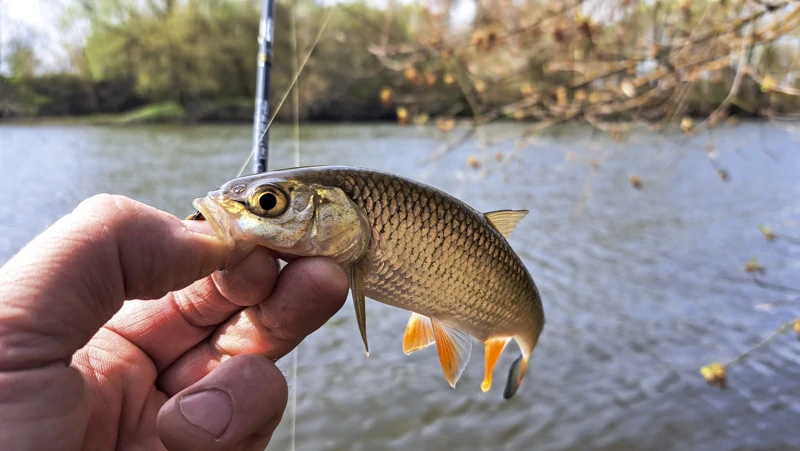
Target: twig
[785,327]
[449,147]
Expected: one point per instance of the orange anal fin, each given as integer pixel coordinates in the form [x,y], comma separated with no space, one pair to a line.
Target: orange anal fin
[454,348]
[419,333]
[515,374]
[493,347]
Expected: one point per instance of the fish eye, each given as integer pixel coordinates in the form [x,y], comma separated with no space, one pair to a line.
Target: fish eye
[268,201]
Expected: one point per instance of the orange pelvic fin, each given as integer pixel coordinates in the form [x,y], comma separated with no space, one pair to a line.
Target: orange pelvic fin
[493,347]
[419,333]
[454,348]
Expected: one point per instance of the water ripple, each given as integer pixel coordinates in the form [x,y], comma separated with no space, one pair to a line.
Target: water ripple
[636,285]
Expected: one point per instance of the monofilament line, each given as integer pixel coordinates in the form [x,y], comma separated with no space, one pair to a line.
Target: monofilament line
[291,86]
[296,127]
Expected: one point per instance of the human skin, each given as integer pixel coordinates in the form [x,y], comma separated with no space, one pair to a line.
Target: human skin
[118,331]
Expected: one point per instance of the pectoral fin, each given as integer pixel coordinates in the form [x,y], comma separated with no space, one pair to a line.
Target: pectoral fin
[419,333]
[504,221]
[357,275]
[454,348]
[493,348]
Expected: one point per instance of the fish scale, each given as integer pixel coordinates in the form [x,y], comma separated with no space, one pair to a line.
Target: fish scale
[475,266]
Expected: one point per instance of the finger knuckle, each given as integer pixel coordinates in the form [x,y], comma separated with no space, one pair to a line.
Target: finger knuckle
[278,327]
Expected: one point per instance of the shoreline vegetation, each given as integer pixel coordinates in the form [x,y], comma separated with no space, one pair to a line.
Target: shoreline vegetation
[238,111]
[226,113]
[535,62]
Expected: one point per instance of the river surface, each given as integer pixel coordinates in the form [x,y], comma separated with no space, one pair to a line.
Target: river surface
[640,287]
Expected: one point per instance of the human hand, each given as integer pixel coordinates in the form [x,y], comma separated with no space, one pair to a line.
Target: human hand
[191,368]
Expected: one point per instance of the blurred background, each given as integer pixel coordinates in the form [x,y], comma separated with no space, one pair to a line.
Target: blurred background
[654,142]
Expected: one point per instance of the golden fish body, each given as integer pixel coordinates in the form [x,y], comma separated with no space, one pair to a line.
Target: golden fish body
[405,244]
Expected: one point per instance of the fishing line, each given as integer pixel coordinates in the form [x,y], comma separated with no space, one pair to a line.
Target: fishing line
[296,97]
[291,86]
[294,399]
[296,127]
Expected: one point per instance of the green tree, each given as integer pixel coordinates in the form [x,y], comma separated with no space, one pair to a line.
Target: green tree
[199,50]
[21,58]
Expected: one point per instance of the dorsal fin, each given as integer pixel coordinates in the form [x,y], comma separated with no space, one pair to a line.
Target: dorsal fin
[504,221]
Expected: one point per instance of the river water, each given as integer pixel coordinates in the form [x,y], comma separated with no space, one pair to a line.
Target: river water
[640,287]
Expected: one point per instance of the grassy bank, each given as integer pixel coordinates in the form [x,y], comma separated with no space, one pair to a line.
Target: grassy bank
[168,112]
[233,110]
[159,112]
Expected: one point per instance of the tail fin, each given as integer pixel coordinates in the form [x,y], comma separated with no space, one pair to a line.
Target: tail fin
[517,370]
[515,374]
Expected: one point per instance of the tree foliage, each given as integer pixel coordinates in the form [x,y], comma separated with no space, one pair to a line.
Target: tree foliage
[206,49]
[21,58]
[611,64]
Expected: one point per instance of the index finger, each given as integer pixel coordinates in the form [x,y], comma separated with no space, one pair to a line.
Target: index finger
[166,328]
[308,293]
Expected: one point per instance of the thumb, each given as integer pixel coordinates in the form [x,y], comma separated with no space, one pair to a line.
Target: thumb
[66,283]
[237,406]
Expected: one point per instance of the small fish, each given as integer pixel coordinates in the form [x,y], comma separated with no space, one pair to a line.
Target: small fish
[404,244]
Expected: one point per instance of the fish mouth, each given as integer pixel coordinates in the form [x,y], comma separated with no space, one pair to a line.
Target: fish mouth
[211,209]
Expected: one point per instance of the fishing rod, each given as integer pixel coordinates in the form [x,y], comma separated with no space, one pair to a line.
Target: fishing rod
[261,123]
[260,150]
[266,33]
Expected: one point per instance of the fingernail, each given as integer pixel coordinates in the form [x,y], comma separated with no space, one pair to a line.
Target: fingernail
[210,410]
[202,227]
